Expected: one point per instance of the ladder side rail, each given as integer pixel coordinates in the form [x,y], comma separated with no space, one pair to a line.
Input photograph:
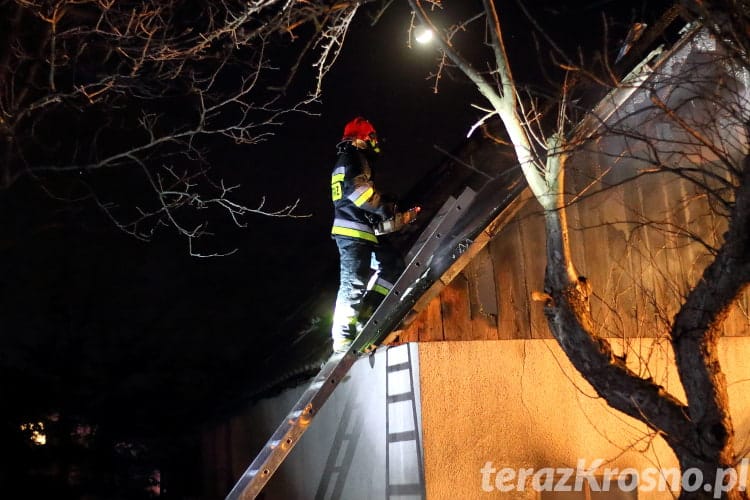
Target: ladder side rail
[288,434]
[430,228]
[415,417]
[387,425]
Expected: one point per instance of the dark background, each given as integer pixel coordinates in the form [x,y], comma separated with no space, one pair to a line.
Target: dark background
[148,344]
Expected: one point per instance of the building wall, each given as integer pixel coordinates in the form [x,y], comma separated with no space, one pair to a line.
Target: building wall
[647,195]
[520,404]
[638,273]
[364,442]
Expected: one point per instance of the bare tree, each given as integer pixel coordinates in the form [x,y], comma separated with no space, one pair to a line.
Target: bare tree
[707,146]
[123,101]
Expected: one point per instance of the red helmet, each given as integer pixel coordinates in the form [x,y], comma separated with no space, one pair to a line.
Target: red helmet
[362,134]
[359,128]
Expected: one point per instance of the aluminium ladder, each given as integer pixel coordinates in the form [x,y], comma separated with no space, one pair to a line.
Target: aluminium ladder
[401,400]
[378,326]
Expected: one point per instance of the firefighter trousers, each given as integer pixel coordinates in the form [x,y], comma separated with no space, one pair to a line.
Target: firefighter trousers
[368,272]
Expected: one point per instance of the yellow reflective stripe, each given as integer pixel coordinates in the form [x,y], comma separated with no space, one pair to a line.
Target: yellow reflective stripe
[337,178]
[362,199]
[354,233]
[336,191]
[381,286]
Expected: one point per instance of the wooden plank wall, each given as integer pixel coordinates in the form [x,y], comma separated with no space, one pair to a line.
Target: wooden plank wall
[638,271]
[638,232]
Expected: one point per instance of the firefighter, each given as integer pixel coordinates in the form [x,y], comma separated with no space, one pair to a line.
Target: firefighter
[369,265]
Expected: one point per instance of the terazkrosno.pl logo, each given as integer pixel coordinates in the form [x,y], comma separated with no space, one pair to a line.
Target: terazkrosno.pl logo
[595,478]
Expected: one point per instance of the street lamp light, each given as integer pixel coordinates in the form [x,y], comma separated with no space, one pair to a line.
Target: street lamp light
[423,35]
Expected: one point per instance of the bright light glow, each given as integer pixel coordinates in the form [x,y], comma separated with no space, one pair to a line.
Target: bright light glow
[36,433]
[423,35]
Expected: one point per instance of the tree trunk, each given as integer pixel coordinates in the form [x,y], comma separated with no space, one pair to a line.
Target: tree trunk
[704,450]
[695,335]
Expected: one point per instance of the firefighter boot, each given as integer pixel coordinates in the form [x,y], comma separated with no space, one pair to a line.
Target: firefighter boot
[342,342]
[370,303]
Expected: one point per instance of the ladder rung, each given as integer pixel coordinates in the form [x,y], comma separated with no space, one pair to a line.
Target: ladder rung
[404,489]
[398,437]
[397,398]
[399,367]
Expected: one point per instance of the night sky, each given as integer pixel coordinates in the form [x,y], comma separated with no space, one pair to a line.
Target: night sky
[139,334]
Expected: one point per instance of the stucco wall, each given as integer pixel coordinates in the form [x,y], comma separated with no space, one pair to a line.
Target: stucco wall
[520,404]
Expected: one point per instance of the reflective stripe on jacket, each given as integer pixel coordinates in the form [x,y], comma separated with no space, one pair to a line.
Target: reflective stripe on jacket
[356,202]
[351,229]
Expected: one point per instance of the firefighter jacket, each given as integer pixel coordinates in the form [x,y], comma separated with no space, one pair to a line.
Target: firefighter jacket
[357,205]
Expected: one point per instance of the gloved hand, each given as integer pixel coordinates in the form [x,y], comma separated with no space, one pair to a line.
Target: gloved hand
[398,221]
[410,215]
